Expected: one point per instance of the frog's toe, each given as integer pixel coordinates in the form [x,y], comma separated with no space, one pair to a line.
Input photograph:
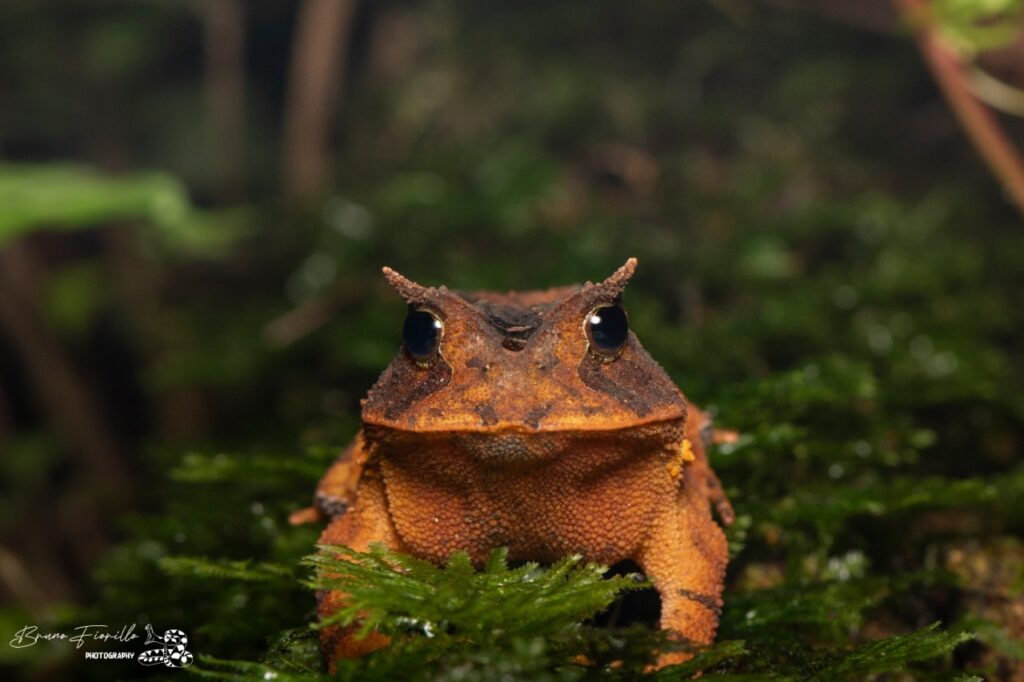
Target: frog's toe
[305,515]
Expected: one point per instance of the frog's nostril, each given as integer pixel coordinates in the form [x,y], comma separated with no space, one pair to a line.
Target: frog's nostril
[513,343]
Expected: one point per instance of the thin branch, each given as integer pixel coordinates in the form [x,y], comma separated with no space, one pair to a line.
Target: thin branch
[62,392]
[311,315]
[319,54]
[981,125]
[224,46]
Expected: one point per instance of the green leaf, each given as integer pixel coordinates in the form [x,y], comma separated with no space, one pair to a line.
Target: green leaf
[221,569]
[70,196]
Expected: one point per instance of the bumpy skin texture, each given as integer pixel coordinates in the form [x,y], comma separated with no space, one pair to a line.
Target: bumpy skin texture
[518,434]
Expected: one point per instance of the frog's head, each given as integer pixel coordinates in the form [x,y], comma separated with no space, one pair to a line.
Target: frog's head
[499,374]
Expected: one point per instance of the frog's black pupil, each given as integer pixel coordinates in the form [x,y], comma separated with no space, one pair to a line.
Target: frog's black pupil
[608,329]
[422,334]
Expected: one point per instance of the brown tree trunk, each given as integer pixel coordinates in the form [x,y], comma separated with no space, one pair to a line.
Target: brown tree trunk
[319,55]
[224,47]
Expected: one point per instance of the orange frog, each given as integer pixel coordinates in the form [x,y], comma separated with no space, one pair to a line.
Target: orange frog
[532,420]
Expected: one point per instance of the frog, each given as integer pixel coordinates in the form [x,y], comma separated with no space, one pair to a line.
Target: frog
[535,421]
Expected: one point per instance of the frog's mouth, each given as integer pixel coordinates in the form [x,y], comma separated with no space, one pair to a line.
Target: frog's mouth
[512,446]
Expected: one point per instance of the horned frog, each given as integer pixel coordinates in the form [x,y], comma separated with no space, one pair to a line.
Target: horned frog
[533,420]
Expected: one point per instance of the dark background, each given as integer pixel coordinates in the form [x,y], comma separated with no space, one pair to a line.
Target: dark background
[196,200]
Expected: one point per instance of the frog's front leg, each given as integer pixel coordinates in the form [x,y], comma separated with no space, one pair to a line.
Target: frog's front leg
[685,557]
[366,522]
[336,491]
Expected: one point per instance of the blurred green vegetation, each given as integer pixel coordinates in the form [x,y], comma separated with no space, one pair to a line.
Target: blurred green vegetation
[977,25]
[823,263]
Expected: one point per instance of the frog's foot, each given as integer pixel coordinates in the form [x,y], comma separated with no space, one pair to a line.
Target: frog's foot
[685,557]
[305,515]
[720,501]
[671,658]
[344,643]
[668,658]
[340,642]
[367,522]
[724,436]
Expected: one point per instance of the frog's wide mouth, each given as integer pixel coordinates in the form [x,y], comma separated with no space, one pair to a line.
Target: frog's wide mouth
[483,421]
[510,444]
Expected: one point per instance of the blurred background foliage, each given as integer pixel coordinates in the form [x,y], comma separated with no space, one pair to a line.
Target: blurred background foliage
[196,199]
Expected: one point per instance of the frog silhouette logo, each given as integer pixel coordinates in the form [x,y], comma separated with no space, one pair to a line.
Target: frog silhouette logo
[172,652]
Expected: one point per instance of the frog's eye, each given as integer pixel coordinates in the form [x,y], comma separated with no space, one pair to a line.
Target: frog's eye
[422,335]
[607,330]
